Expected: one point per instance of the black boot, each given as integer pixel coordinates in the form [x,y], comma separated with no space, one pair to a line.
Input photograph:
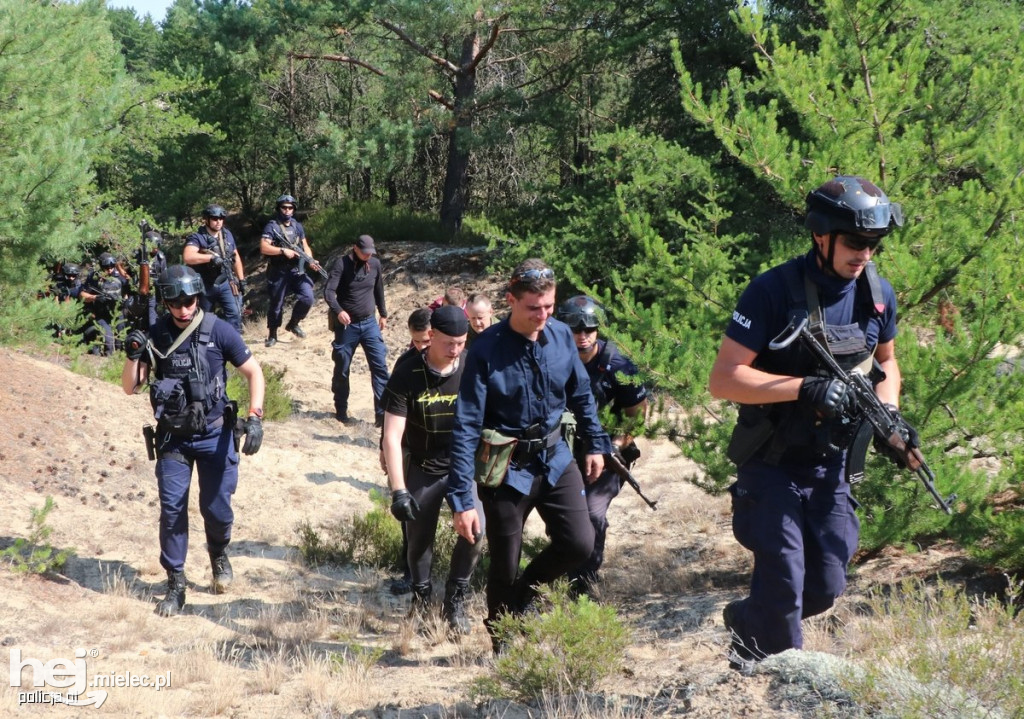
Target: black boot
[294,328]
[456,596]
[171,605]
[271,338]
[422,595]
[222,574]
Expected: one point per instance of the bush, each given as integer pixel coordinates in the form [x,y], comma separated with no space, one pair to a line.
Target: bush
[566,649]
[34,555]
[933,651]
[373,539]
[277,403]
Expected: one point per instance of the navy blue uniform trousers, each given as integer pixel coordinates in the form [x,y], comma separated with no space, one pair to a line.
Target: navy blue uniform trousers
[801,526]
[279,285]
[216,463]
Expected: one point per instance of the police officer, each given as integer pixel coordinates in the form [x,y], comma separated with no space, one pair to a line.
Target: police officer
[520,377]
[616,388]
[184,358]
[102,293]
[418,420]
[355,294]
[791,502]
[68,284]
[157,261]
[211,251]
[286,273]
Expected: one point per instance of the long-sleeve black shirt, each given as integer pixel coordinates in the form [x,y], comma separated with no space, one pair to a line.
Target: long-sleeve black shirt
[356,287]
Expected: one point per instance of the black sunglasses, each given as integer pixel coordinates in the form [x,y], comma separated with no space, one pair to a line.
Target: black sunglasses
[859,243]
[180,302]
[528,275]
[287,207]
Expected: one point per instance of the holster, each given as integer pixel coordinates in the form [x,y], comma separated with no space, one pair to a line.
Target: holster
[232,420]
[149,435]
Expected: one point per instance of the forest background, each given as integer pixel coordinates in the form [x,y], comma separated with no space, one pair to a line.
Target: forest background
[656,153]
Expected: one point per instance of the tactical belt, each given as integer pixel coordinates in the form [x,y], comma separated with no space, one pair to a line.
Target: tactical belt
[528,449]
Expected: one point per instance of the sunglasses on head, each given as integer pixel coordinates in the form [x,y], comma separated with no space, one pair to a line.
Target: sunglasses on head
[529,275]
[179,302]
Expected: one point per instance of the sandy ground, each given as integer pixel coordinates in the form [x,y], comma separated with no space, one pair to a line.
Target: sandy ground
[292,641]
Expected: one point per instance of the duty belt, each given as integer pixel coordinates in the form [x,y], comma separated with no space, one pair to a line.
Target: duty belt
[527,448]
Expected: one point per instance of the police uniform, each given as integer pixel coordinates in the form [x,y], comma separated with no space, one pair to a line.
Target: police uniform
[792,505]
[217,281]
[521,388]
[284,275]
[608,371]
[110,288]
[212,451]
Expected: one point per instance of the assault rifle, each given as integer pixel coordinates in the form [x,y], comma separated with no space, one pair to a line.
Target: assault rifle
[144,278]
[889,426]
[618,464]
[304,258]
[228,267]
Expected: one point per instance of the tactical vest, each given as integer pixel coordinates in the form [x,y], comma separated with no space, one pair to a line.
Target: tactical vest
[284,236]
[604,363]
[184,389]
[788,429]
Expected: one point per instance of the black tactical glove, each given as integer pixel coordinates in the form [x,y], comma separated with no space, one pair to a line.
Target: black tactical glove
[216,262]
[135,344]
[907,433]
[253,428]
[829,397]
[404,506]
[242,286]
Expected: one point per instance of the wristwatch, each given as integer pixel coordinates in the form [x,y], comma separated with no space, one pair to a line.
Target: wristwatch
[256,412]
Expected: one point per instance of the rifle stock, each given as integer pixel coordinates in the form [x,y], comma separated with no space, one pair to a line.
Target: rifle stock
[868,405]
[619,465]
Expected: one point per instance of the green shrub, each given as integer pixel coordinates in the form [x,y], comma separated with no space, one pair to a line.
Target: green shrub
[933,651]
[277,403]
[34,555]
[567,648]
[373,539]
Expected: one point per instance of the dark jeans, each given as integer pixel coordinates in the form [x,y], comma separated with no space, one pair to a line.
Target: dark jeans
[279,285]
[429,494]
[801,526]
[365,333]
[230,304]
[216,464]
[563,508]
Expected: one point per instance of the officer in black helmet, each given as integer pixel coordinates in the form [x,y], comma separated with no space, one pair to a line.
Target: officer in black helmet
[614,383]
[69,282]
[791,502]
[286,274]
[211,251]
[104,290]
[183,357]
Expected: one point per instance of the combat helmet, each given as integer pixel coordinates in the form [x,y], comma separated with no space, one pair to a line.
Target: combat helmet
[107,261]
[581,312]
[215,212]
[178,281]
[853,205]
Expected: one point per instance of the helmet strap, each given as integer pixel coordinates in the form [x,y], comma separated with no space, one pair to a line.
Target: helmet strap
[827,260]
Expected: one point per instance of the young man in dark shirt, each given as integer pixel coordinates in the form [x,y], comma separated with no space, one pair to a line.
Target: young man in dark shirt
[419,403]
[355,294]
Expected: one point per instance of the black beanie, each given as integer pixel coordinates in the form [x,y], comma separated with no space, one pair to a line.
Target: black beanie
[449,320]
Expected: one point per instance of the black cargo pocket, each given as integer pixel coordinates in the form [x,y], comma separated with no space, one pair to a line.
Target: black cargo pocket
[744,515]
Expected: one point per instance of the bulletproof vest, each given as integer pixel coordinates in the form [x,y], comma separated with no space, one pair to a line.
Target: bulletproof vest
[791,426]
[284,236]
[206,270]
[184,389]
